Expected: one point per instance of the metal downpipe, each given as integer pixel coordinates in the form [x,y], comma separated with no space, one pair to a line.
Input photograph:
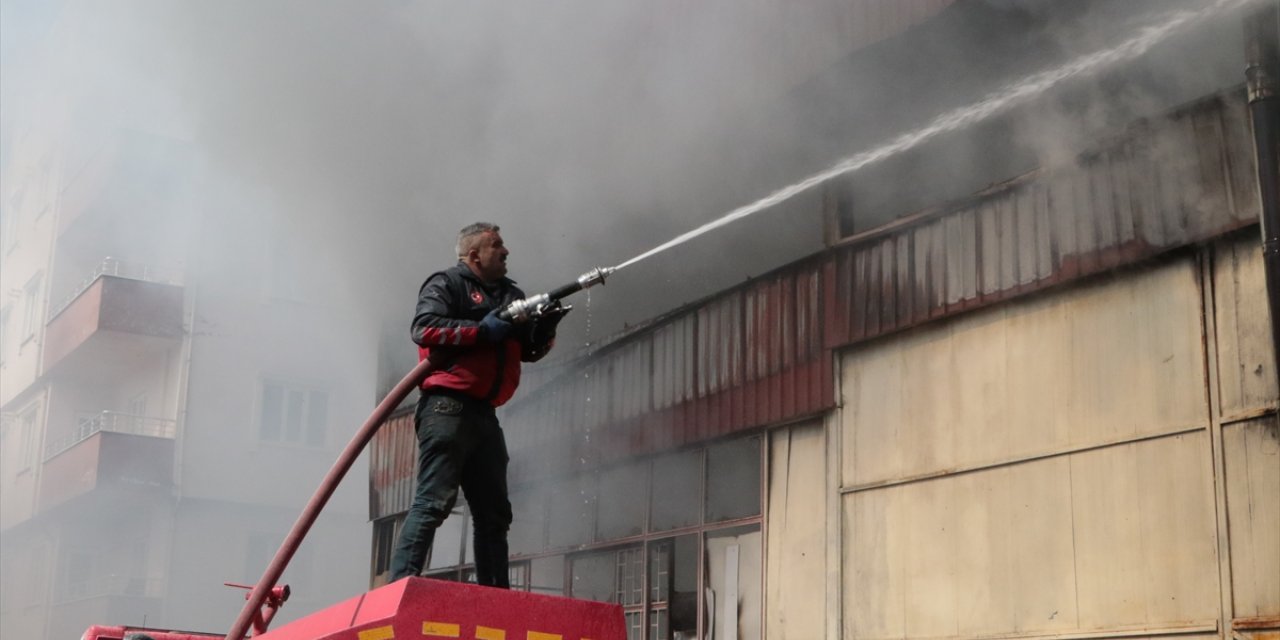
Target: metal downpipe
[1262,73]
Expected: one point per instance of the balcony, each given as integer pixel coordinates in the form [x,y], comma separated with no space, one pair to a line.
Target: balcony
[121,312]
[108,450]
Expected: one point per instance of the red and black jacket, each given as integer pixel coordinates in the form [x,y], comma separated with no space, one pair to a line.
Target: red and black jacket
[446,326]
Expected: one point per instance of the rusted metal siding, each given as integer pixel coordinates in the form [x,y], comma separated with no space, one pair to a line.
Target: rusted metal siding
[759,354]
[1165,184]
[750,357]
[392,458]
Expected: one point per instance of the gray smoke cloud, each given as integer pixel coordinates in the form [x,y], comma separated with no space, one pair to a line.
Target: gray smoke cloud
[363,135]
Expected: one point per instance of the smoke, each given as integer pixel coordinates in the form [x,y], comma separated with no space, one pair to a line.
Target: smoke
[350,141]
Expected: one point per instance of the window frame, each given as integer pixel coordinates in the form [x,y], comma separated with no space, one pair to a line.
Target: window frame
[308,391]
[31,308]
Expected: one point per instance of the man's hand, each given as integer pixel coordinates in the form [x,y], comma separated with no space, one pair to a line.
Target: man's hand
[493,328]
[543,332]
[542,335]
[545,324]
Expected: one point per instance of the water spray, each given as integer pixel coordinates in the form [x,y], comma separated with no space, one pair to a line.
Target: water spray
[994,103]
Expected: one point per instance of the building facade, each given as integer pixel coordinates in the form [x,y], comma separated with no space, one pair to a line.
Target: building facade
[1046,408]
[165,411]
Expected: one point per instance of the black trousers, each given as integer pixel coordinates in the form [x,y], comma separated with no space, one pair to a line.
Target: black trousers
[460,444]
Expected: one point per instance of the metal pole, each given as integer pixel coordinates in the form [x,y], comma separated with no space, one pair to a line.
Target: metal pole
[1262,73]
[309,514]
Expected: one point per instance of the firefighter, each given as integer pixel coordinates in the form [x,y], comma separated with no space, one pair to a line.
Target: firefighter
[460,444]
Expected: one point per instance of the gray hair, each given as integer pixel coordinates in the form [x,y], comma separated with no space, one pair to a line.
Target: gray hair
[469,237]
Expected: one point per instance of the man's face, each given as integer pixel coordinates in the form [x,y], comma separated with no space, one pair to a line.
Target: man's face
[489,259]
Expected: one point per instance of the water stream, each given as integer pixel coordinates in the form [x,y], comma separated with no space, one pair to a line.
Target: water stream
[994,103]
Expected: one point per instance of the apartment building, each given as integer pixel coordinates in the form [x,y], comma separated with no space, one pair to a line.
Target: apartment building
[166,409]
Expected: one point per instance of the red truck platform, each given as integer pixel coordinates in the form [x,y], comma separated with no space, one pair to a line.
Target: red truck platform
[420,608]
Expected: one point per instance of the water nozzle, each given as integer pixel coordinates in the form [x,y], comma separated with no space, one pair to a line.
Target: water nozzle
[595,276]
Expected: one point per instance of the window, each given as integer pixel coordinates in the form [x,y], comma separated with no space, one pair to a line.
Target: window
[656,584]
[676,491]
[517,576]
[446,548]
[546,575]
[673,588]
[645,535]
[5,315]
[30,436]
[293,415]
[619,518]
[529,525]
[572,511]
[30,308]
[733,480]
[385,534]
[732,579]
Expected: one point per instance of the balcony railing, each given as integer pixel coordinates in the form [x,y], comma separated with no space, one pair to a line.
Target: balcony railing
[111,422]
[120,269]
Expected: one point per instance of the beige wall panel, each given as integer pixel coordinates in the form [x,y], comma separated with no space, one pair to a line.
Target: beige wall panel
[929,431]
[1252,459]
[1247,373]
[1042,546]
[931,584]
[1091,366]
[1114,538]
[984,553]
[1037,373]
[1136,364]
[874,560]
[796,594]
[873,396]
[1144,533]
[982,539]
[979,343]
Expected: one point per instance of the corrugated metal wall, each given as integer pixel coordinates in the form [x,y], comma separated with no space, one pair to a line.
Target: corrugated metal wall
[750,357]
[1169,183]
[393,460]
[760,353]
[754,355]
